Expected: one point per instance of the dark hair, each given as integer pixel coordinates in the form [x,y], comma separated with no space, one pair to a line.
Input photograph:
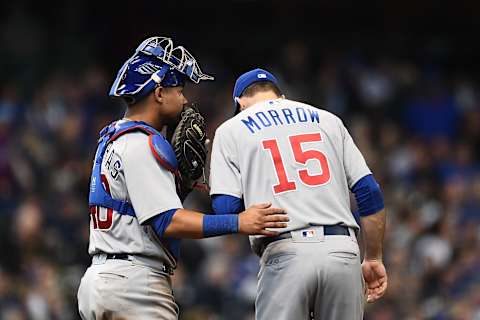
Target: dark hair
[261,86]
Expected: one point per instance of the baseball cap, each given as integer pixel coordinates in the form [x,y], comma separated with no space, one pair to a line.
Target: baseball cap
[248,78]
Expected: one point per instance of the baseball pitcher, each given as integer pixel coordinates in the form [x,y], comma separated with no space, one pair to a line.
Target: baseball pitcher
[303,159]
[138,178]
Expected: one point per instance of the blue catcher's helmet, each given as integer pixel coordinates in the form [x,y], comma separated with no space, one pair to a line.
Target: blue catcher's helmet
[155,62]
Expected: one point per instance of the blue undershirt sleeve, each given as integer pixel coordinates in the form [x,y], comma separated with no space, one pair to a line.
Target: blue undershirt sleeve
[356,215]
[213,224]
[160,223]
[368,195]
[226,204]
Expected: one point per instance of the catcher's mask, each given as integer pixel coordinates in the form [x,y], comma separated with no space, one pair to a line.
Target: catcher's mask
[156,62]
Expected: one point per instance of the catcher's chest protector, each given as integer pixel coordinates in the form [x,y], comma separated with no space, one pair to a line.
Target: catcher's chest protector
[161,149]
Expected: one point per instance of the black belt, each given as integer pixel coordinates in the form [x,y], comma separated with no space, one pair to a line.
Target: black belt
[119,256]
[124,256]
[327,231]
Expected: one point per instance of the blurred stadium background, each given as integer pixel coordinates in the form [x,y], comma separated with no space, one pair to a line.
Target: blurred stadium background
[404,76]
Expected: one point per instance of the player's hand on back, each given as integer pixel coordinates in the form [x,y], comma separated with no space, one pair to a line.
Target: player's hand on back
[256,218]
[375,277]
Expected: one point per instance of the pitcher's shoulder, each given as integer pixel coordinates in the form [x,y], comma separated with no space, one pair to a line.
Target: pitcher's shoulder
[229,126]
[321,110]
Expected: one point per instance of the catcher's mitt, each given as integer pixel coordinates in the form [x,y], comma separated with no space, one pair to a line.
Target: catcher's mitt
[189,142]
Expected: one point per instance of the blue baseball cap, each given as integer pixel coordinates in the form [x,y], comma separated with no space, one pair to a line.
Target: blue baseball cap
[248,78]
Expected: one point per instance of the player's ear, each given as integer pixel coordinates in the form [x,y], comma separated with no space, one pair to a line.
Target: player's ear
[241,104]
[158,94]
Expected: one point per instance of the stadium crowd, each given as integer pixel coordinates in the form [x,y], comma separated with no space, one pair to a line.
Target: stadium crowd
[418,125]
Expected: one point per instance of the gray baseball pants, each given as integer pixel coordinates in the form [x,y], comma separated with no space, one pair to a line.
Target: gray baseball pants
[121,289]
[311,276]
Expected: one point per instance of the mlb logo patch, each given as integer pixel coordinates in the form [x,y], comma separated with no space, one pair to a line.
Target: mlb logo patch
[308,233]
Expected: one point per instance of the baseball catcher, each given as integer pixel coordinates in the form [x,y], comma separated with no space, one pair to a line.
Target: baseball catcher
[136,215]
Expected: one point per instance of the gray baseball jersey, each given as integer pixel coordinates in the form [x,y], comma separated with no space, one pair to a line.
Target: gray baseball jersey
[131,172]
[294,155]
[303,160]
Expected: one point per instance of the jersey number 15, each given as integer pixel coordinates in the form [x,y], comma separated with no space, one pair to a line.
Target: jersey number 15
[301,157]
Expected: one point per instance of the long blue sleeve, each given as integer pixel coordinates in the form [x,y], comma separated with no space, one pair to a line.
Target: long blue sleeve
[160,223]
[368,195]
[225,204]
